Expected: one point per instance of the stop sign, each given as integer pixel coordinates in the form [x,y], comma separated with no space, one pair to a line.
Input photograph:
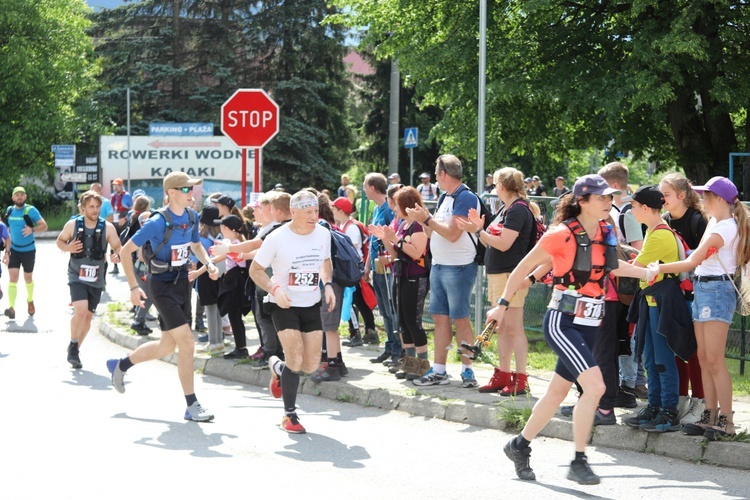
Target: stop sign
[250,118]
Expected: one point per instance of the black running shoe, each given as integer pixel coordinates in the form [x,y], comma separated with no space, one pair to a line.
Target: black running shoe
[73,358]
[237,354]
[520,459]
[581,473]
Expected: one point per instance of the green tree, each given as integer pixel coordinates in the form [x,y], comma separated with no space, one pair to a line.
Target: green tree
[183,58]
[663,79]
[47,76]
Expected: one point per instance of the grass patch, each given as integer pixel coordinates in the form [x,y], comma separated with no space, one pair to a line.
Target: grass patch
[515,418]
[345,398]
[740,383]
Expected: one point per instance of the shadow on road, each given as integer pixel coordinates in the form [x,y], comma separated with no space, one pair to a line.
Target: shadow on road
[318,448]
[187,436]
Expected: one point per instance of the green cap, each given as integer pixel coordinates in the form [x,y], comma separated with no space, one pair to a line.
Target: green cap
[18,189]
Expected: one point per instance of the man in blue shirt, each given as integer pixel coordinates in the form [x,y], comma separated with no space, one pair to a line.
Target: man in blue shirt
[454,268]
[170,288]
[23,221]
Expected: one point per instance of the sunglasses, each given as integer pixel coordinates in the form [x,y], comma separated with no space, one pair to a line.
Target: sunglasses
[185,189]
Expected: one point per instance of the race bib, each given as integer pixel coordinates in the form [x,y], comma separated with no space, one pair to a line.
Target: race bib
[180,254]
[88,274]
[307,279]
[589,312]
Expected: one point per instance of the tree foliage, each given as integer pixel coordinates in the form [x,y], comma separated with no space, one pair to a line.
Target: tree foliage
[183,58]
[663,79]
[47,76]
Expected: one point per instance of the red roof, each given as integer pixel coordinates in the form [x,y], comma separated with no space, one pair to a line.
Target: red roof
[355,64]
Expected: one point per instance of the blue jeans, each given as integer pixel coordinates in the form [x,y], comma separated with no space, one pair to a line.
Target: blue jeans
[450,290]
[383,294]
[663,381]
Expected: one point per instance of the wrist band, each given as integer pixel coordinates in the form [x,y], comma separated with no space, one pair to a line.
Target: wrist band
[133,288]
[478,233]
[273,290]
[502,302]
[427,220]
[330,283]
[532,278]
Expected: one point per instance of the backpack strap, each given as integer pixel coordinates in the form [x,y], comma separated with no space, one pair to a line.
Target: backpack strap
[168,229]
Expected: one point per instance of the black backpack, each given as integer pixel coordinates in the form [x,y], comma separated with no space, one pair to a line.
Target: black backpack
[483,211]
[154,265]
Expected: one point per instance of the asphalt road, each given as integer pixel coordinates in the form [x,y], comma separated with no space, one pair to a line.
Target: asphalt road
[67,434]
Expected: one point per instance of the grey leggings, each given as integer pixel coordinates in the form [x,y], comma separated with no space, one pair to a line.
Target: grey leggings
[213,322]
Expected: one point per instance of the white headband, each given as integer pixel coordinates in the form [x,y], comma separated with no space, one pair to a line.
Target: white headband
[304,203]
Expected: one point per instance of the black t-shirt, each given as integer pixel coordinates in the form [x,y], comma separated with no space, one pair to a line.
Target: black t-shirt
[687,228]
[537,191]
[519,218]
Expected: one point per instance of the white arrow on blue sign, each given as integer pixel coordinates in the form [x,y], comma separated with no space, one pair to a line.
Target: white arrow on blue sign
[411,137]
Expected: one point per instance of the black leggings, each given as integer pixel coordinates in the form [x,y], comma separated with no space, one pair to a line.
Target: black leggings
[410,306]
[238,328]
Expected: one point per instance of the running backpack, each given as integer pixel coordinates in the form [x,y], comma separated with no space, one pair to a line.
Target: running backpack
[483,211]
[348,267]
[26,216]
[154,265]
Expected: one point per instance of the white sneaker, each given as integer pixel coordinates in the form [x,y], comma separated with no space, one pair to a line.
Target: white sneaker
[197,413]
[683,406]
[695,411]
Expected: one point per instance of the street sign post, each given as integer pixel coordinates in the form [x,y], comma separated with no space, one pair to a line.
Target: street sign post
[411,139]
[251,119]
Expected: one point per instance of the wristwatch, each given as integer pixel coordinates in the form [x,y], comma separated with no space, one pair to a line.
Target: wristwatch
[502,302]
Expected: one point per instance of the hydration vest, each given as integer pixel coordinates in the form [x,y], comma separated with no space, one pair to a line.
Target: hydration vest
[26,216]
[583,269]
[94,250]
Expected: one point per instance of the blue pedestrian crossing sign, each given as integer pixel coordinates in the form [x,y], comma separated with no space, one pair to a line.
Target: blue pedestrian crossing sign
[411,136]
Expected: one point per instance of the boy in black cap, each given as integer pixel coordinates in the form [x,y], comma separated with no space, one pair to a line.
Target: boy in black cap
[659,245]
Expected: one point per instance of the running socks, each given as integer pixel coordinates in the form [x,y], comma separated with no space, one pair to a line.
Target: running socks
[30,292]
[190,399]
[580,456]
[126,364]
[289,385]
[12,293]
[521,443]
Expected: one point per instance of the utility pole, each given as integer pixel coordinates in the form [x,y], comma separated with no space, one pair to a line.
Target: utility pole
[393,119]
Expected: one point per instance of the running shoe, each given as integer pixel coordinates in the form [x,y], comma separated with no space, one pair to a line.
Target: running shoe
[665,421]
[31,308]
[520,459]
[275,385]
[468,379]
[197,413]
[290,423]
[11,313]
[73,357]
[118,382]
[644,416]
[432,378]
[581,472]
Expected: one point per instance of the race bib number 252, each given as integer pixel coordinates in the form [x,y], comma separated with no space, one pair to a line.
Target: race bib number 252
[303,278]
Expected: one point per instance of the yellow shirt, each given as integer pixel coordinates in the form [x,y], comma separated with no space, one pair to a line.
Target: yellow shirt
[659,245]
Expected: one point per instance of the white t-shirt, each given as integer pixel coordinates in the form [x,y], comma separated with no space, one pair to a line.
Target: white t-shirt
[428,192]
[354,234]
[727,254]
[295,262]
[462,251]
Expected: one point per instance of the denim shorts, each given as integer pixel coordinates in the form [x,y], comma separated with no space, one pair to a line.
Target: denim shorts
[450,290]
[714,301]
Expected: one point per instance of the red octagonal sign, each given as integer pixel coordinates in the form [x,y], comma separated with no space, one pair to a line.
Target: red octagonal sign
[250,118]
